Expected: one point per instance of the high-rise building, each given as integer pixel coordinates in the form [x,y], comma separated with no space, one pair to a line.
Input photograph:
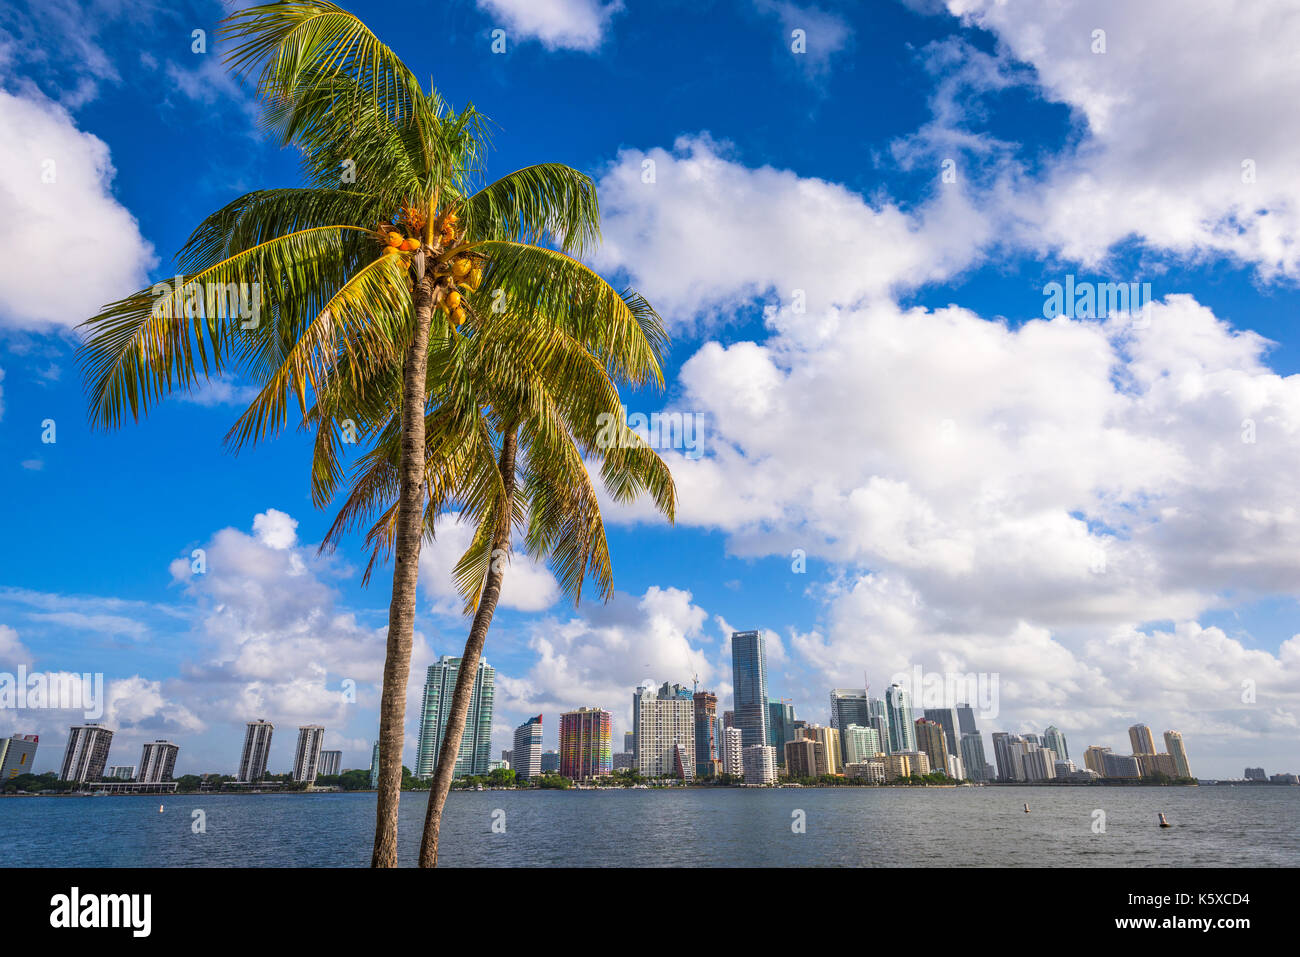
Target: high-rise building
[759,764]
[706,721]
[1256,774]
[550,762]
[1143,742]
[749,678]
[1094,759]
[526,756]
[157,761]
[829,739]
[331,764]
[1039,763]
[1052,738]
[374,766]
[930,740]
[902,726]
[306,757]
[662,721]
[586,743]
[946,718]
[878,713]
[801,758]
[848,706]
[17,755]
[86,755]
[1174,745]
[860,744]
[121,772]
[475,751]
[966,719]
[972,756]
[1007,752]
[733,762]
[1121,766]
[257,748]
[780,726]
[629,742]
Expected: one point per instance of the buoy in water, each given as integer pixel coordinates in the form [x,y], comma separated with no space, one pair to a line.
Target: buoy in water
[160,808]
[1026,808]
[1163,822]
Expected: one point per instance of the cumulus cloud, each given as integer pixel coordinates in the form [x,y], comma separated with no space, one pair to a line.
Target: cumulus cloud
[556,24]
[822,34]
[528,585]
[60,209]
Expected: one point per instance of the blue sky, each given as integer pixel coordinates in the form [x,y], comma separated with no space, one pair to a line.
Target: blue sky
[1074,506]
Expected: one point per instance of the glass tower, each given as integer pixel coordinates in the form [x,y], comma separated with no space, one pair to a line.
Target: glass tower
[749,676]
[902,726]
[476,743]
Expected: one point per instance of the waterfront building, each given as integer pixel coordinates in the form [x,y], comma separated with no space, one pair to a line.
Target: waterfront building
[625,761]
[1143,742]
[17,755]
[966,719]
[1039,764]
[1121,766]
[435,711]
[801,758]
[848,706]
[759,764]
[829,739]
[972,756]
[749,678]
[1094,759]
[331,764]
[550,762]
[902,726]
[157,761]
[1052,738]
[871,771]
[1008,750]
[1174,745]
[902,764]
[586,743]
[878,718]
[629,742]
[930,740]
[860,743]
[706,722]
[526,756]
[121,772]
[946,718]
[1256,774]
[306,756]
[257,748]
[86,755]
[663,722]
[733,762]
[780,726]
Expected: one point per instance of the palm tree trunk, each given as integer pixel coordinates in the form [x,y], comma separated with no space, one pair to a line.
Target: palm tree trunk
[465,676]
[406,555]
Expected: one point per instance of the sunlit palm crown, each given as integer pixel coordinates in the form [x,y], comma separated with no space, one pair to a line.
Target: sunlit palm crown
[524,337]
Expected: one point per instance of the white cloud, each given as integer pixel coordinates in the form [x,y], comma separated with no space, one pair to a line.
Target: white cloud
[275,529]
[709,234]
[1170,112]
[557,24]
[44,226]
[528,585]
[12,651]
[823,34]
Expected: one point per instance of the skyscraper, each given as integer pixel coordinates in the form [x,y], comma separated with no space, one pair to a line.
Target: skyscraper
[157,761]
[86,754]
[758,764]
[629,742]
[1094,758]
[1174,745]
[930,740]
[749,677]
[331,763]
[1007,751]
[17,755]
[966,719]
[1143,742]
[878,713]
[1052,738]
[475,752]
[860,744]
[706,720]
[257,747]
[586,743]
[780,726]
[732,754]
[663,721]
[947,719]
[972,756]
[848,706]
[526,757]
[902,726]
[804,758]
[306,757]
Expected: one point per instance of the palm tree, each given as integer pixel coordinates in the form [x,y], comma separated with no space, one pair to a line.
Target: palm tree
[372,276]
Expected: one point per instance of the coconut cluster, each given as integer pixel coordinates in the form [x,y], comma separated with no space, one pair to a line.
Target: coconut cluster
[462,271]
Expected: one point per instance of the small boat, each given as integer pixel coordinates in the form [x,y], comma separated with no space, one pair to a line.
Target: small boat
[1163,822]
